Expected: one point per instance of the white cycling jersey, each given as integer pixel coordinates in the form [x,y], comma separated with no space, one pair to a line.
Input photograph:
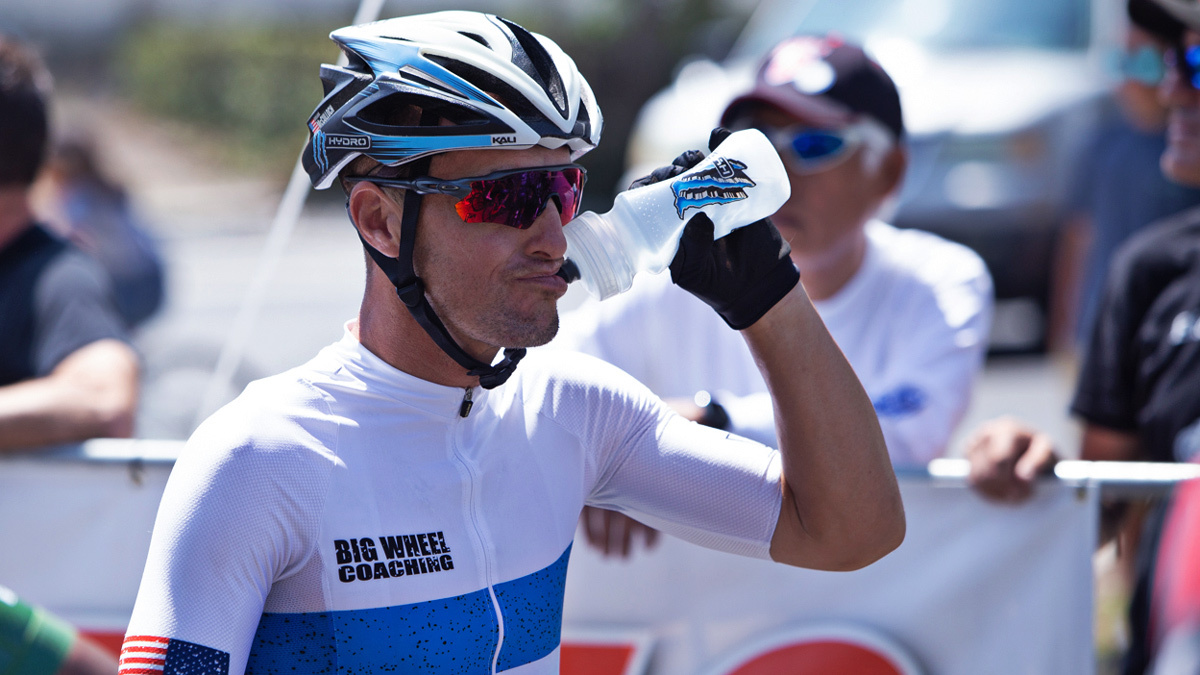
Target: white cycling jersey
[343,517]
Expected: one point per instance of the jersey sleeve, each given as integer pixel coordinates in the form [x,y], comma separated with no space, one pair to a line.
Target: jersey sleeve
[74,307]
[236,516]
[706,486]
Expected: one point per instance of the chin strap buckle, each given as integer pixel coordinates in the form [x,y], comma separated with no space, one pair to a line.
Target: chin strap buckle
[491,377]
[411,293]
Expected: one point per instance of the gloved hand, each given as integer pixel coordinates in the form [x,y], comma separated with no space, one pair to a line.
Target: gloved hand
[741,275]
[677,166]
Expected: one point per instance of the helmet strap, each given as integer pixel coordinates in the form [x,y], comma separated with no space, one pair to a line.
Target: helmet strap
[411,290]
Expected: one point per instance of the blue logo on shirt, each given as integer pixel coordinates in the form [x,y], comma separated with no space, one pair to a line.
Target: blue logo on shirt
[901,401]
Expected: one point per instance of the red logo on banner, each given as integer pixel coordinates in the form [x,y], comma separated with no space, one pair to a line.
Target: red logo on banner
[818,650]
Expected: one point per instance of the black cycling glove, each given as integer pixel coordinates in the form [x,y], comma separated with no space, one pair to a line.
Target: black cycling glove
[741,275]
[677,166]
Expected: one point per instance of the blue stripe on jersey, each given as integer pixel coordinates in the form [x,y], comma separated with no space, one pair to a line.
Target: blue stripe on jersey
[532,608]
[452,635]
[293,643]
[446,636]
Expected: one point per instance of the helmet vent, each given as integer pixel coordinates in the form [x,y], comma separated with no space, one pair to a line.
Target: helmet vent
[530,56]
[413,75]
[396,110]
[476,37]
[505,93]
[403,111]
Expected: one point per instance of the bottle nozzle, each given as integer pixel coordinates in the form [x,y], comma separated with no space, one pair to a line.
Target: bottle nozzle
[569,271]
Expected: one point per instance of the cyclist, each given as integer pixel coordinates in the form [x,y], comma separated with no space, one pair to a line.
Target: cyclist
[407,501]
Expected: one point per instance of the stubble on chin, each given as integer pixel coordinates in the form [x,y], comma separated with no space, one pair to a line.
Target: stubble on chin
[516,329]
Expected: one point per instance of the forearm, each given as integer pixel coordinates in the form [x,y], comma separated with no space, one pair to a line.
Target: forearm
[43,412]
[842,507]
[92,394]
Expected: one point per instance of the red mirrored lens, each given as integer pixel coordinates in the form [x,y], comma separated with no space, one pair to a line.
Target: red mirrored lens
[516,200]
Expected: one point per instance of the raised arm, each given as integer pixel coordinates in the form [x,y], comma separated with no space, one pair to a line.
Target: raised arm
[841,504]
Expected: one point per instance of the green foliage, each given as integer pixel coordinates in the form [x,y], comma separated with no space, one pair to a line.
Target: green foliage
[250,86]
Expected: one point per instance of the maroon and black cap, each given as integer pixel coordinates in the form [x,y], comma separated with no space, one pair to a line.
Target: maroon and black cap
[823,81]
[1155,19]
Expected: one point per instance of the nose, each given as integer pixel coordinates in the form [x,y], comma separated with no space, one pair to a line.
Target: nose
[547,239]
[1171,89]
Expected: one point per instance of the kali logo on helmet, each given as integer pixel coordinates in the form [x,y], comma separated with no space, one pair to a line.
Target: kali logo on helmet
[503,140]
[724,183]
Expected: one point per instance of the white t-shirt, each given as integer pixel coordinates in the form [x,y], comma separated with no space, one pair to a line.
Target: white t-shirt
[345,517]
[913,322]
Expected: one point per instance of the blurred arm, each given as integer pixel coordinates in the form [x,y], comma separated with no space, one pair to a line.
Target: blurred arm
[1101,444]
[1070,261]
[1007,455]
[91,394]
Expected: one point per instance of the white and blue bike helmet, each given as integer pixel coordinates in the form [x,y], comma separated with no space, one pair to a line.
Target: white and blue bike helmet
[500,85]
[476,81]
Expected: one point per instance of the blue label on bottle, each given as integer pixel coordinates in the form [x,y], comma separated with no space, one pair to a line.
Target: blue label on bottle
[725,182]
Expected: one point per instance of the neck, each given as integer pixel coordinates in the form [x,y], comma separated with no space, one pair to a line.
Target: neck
[389,331]
[825,273]
[15,214]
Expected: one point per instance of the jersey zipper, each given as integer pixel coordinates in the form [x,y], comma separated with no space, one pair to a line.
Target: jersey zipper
[465,408]
[480,535]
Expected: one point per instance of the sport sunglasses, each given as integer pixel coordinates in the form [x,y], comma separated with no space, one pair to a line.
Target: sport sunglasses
[1186,61]
[1144,65]
[812,150]
[514,197]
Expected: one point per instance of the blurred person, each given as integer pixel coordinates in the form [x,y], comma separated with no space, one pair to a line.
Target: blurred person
[36,642]
[65,372]
[1138,393]
[92,211]
[407,500]
[910,311]
[1117,188]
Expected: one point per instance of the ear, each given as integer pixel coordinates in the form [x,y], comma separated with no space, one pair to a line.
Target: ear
[377,217]
[891,172]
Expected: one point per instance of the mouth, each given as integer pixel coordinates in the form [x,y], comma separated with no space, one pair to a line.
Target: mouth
[550,280]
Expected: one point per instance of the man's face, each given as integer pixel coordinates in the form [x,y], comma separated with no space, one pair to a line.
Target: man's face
[1181,161]
[828,208]
[492,285]
[1138,98]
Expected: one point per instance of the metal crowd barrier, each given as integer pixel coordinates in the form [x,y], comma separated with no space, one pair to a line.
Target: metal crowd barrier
[1115,479]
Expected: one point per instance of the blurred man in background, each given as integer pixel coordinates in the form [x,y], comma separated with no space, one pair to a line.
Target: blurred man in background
[910,310]
[1118,188]
[66,373]
[1138,393]
[66,370]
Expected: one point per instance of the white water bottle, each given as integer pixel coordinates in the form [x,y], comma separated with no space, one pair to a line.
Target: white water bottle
[739,183]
